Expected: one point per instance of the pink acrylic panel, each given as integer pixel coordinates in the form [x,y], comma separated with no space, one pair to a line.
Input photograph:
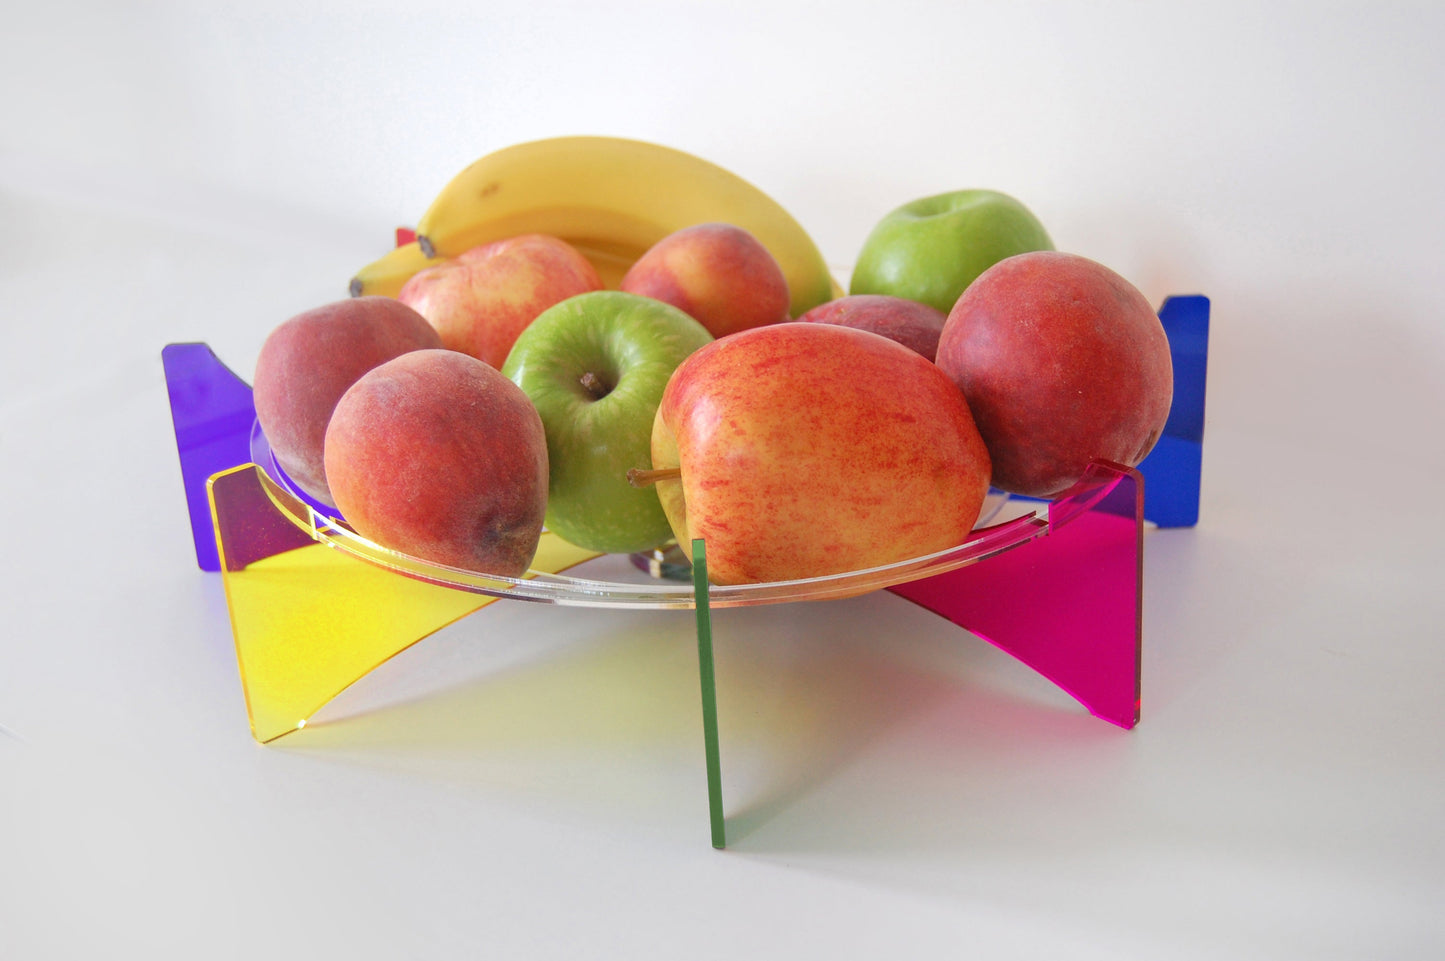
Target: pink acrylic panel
[1068,603]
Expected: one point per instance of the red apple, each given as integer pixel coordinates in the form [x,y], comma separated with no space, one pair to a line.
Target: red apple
[1062,361]
[481,300]
[813,449]
[719,274]
[309,361]
[437,455]
[913,324]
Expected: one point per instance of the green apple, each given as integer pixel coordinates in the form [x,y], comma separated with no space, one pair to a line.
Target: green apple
[595,366]
[929,250]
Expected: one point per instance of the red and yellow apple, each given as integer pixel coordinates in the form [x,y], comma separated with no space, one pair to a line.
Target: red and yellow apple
[308,362]
[718,274]
[437,455]
[1063,361]
[812,449]
[482,299]
[913,324]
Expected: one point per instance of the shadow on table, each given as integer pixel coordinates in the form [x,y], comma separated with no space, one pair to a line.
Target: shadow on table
[842,714]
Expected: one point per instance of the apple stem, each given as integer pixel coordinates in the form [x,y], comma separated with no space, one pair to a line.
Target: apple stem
[640,477]
[595,385]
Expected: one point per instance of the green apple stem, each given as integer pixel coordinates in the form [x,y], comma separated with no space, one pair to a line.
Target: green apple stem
[595,385]
[640,477]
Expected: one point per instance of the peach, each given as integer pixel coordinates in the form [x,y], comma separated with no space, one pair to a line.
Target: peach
[719,274]
[910,323]
[308,362]
[479,301]
[437,455]
[1062,362]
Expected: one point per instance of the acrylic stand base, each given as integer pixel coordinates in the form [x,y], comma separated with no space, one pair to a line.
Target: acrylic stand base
[314,607]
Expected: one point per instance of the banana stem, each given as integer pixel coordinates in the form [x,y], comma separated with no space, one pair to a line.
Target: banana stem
[639,477]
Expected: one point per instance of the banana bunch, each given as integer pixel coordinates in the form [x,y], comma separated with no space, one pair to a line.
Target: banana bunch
[610,198]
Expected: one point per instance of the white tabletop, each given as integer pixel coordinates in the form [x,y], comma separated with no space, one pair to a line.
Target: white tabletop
[529,783]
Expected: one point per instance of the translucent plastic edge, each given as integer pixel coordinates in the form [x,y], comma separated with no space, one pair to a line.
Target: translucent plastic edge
[548,588]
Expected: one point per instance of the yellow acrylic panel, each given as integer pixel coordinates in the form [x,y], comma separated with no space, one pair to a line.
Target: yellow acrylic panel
[309,619]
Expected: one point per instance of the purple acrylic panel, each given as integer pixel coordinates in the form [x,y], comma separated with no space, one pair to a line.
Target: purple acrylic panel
[1068,604]
[213,412]
[251,527]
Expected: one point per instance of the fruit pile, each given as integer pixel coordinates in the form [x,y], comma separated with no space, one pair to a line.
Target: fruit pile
[628,345]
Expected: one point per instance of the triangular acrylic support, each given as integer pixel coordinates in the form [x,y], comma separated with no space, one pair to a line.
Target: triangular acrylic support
[213,412]
[309,619]
[1069,603]
[314,608]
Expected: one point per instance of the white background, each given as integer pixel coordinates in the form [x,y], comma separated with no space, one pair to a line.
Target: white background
[529,783]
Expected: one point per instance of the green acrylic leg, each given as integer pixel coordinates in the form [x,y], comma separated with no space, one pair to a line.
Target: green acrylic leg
[709,694]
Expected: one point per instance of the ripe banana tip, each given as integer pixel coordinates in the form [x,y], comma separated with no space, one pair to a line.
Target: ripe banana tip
[427,248]
[355,287]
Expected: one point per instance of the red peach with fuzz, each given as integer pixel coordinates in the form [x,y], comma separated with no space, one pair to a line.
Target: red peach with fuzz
[308,362]
[437,455]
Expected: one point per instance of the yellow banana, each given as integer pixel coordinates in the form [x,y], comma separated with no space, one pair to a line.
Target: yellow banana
[611,198]
[384,276]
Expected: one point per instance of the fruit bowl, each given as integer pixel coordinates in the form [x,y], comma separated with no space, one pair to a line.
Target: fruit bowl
[314,606]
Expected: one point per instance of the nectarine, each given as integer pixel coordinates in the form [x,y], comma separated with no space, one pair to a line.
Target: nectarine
[1063,361]
[914,325]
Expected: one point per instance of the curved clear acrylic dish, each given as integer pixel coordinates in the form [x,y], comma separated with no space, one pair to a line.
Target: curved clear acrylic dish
[321,523]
